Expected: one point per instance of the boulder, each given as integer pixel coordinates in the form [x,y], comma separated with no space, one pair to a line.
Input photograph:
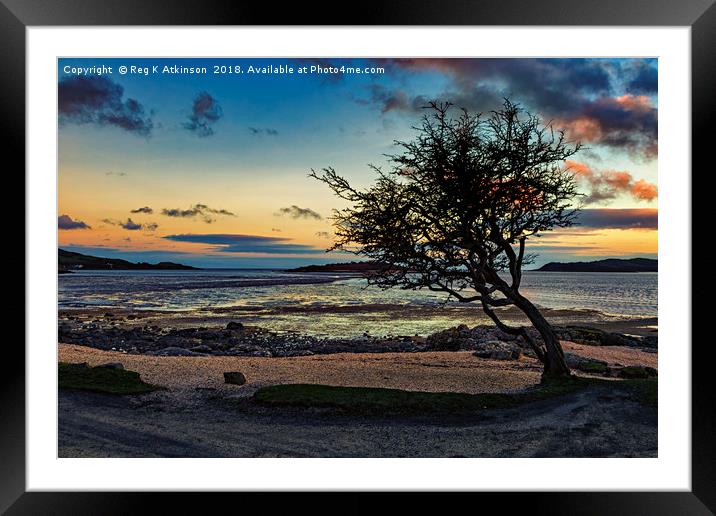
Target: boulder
[235,326]
[78,365]
[446,340]
[596,337]
[234,378]
[650,341]
[112,365]
[618,339]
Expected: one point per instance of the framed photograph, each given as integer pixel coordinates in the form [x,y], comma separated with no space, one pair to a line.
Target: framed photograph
[407,251]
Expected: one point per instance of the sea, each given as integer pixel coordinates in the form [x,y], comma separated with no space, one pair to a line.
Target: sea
[339,305]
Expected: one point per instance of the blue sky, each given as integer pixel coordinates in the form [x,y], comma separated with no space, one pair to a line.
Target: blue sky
[220,161]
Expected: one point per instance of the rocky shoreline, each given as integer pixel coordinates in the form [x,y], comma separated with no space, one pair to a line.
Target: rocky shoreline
[127,334]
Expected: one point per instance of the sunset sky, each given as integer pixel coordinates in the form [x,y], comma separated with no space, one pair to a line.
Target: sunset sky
[211,169]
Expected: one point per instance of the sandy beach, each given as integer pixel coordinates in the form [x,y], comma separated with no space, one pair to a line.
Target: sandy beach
[458,371]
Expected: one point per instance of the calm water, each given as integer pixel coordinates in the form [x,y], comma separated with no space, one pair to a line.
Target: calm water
[335,305]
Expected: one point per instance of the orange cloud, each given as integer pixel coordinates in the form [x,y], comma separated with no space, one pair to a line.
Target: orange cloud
[628,122]
[605,185]
[617,180]
[644,190]
[580,169]
[582,128]
[634,102]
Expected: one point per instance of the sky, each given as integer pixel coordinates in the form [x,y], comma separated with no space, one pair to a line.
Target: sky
[205,161]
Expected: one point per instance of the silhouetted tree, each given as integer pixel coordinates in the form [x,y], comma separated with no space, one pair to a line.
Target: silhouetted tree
[456,209]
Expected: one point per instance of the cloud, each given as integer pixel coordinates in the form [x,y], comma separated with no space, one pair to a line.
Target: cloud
[628,122]
[98,100]
[550,84]
[256,131]
[205,112]
[596,100]
[323,234]
[130,225]
[299,213]
[66,222]
[201,210]
[644,190]
[608,184]
[606,218]
[121,174]
[645,78]
[144,209]
[389,100]
[479,98]
[564,248]
[233,243]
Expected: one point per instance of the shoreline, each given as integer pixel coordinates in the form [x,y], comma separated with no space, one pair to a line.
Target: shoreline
[222,333]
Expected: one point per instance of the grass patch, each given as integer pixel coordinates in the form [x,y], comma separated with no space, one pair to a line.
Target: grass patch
[102,379]
[394,401]
[593,367]
[637,372]
[645,390]
[375,401]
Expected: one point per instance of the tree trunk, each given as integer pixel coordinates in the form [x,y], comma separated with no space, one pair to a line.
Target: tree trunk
[554,363]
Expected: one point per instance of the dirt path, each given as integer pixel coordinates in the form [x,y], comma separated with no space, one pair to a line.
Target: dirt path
[592,423]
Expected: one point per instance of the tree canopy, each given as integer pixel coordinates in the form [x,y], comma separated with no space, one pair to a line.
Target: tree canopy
[459,202]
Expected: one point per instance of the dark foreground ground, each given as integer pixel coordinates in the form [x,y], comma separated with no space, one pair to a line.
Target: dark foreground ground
[597,421]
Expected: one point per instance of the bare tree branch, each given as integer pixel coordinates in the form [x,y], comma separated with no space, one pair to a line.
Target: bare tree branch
[457,207]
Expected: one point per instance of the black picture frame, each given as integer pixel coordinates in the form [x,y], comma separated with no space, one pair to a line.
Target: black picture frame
[700,15]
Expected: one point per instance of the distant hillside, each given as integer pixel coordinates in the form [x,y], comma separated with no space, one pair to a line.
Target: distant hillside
[68,260]
[339,267]
[608,265]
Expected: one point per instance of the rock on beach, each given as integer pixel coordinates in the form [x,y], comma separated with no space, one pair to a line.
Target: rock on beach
[234,377]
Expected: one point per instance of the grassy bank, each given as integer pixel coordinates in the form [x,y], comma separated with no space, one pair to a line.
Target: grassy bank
[363,400]
[101,379]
